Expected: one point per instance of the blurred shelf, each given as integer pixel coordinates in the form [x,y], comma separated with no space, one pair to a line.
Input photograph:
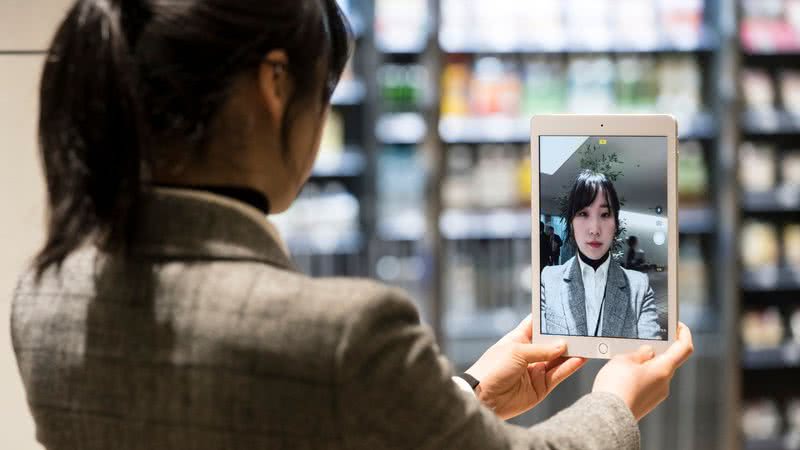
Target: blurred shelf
[456,224]
[326,243]
[410,44]
[350,163]
[696,220]
[770,122]
[786,356]
[782,199]
[401,128]
[771,279]
[470,42]
[501,129]
[404,227]
[349,92]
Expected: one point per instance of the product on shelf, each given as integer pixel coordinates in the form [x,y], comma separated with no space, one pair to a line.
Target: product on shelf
[790,169]
[757,90]
[790,89]
[403,87]
[494,176]
[332,140]
[591,84]
[506,25]
[680,84]
[509,88]
[759,245]
[457,189]
[692,273]
[791,245]
[770,25]
[761,419]
[763,329]
[495,87]
[794,325]
[756,167]
[544,86]
[322,217]
[693,180]
[637,84]
[401,192]
[402,26]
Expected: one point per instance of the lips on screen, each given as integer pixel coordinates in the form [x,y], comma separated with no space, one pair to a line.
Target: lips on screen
[604,236]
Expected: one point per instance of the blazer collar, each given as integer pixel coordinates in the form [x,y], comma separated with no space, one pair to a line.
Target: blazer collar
[617,301]
[576,295]
[186,223]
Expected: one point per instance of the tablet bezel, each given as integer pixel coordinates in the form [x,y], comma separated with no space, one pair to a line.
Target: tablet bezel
[607,125]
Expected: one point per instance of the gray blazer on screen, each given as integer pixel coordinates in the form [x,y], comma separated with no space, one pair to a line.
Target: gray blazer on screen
[629,308]
[206,337]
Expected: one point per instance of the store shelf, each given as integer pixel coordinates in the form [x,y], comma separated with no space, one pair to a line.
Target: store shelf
[780,200]
[349,163]
[402,227]
[349,92]
[322,243]
[504,129]
[457,224]
[401,128]
[770,279]
[770,122]
[471,42]
[785,356]
[696,220]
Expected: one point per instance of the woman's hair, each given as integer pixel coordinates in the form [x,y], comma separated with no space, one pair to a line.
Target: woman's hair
[121,75]
[632,240]
[586,187]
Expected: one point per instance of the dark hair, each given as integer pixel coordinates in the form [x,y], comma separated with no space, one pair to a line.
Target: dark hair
[632,240]
[123,74]
[586,187]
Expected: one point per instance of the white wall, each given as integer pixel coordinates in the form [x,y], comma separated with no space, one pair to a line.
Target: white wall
[26,28]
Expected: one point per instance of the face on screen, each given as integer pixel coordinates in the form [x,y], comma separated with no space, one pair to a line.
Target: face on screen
[603,240]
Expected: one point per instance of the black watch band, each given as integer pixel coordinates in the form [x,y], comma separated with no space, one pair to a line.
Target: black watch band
[472,381]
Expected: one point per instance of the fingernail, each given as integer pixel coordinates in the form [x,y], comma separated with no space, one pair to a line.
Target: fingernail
[560,344]
[648,350]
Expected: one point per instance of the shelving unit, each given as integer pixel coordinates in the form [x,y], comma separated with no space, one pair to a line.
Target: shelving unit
[769,48]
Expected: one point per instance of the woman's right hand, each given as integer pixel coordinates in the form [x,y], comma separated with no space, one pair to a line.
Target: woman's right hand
[642,380]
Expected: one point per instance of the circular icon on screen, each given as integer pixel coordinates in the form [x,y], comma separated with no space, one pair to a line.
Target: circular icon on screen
[659,238]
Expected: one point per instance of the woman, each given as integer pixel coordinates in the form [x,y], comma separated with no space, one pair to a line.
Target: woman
[163,313]
[591,294]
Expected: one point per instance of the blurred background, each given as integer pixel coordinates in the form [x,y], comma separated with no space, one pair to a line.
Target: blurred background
[423,180]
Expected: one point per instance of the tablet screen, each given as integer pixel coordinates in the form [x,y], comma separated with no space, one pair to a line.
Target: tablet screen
[604,236]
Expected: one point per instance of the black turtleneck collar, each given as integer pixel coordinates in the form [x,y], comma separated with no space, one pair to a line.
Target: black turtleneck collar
[252,197]
[594,263]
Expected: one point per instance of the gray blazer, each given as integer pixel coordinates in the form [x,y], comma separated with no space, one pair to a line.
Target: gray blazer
[206,337]
[629,307]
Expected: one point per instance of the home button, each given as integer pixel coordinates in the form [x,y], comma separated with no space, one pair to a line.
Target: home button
[603,348]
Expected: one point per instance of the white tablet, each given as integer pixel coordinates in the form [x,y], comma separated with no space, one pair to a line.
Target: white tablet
[604,207]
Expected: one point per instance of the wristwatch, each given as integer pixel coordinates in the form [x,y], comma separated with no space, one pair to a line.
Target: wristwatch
[472,381]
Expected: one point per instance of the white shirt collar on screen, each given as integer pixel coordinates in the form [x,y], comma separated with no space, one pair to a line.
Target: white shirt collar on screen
[594,286]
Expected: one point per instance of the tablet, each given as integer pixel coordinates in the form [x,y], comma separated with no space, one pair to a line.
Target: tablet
[604,207]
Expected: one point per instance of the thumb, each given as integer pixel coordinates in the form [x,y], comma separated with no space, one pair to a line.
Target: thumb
[532,353]
[643,354]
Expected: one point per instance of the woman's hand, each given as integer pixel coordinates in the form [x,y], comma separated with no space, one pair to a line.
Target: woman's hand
[515,375]
[642,380]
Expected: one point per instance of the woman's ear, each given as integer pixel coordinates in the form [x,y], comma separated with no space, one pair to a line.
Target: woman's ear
[274,83]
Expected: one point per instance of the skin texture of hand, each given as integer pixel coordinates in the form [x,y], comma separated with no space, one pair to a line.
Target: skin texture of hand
[642,380]
[515,374]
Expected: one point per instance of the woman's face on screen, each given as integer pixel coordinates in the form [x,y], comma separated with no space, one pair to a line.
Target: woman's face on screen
[594,227]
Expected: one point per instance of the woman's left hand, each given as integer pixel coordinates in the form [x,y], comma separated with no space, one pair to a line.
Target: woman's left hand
[515,374]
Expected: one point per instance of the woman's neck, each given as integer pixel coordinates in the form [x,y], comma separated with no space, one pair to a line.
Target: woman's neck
[594,263]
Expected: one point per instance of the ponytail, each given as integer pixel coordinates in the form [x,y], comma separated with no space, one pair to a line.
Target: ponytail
[91,132]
